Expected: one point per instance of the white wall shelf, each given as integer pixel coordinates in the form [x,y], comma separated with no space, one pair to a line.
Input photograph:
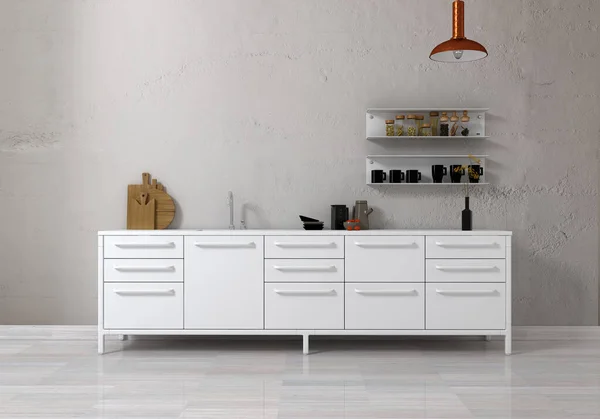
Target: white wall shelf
[456,137]
[376,117]
[422,163]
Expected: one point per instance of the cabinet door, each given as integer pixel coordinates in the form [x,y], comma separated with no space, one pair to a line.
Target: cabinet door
[223,280]
[385,259]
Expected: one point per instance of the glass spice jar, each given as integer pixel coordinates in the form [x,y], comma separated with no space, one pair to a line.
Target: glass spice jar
[426,130]
[444,126]
[433,120]
[410,127]
[420,121]
[399,125]
[464,124]
[390,130]
[454,120]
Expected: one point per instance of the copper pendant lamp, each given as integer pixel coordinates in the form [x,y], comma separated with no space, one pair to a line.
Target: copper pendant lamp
[458,49]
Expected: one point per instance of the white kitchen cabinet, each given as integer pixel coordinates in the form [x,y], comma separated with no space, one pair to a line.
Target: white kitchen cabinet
[466,247]
[465,306]
[224,282]
[143,306]
[466,270]
[385,259]
[304,270]
[304,306]
[373,306]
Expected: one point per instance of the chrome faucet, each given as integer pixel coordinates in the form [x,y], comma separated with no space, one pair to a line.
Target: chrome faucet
[230,204]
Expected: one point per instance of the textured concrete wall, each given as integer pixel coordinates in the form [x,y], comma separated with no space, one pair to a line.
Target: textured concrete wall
[267,98]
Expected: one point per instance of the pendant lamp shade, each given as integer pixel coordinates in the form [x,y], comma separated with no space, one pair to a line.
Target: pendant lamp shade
[458,49]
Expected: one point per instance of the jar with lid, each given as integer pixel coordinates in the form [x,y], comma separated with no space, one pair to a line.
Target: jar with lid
[410,126]
[390,128]
[399,125]
[454,120]
[464,124]
[426,130]
[420,121]
[444,125]
[433,120]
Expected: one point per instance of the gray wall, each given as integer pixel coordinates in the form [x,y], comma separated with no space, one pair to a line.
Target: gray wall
[267,98]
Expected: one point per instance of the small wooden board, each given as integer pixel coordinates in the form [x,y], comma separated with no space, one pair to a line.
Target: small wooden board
[141,213]
[164,204]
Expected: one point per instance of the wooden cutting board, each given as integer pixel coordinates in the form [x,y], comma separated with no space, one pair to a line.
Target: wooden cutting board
[164,204]
[141,214]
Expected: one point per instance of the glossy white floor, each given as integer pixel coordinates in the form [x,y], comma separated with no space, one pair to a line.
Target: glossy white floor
[56,373]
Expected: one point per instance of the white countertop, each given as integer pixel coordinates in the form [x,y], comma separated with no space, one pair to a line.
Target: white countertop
[299,232]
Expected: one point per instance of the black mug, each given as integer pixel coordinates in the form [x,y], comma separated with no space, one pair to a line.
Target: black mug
[438,172]
[413,176]
[475,172]
[378,176]
[456,173]
[396,176]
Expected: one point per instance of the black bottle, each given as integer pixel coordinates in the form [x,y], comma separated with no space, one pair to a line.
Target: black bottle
[467,217]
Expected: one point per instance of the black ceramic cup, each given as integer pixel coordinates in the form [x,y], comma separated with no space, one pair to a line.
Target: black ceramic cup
[475,172]
[396,176]
[456,173]
[413,176]
[378,176]
[438,172]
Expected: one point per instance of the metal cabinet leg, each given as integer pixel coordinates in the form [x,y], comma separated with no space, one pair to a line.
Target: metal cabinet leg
[123,338]
[488,338]
[305,344]
[100,344]
[508,343]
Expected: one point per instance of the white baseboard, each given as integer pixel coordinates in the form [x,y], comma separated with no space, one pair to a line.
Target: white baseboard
[520,333]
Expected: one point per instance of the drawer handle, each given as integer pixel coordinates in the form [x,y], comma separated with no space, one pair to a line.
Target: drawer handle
[386,245]
[329,268]
[166,245]
[386,292]
[304,245]
[467,292]
[305,292]
[225,245]
[466,245]
[145,268]
[466,268]
[143,293]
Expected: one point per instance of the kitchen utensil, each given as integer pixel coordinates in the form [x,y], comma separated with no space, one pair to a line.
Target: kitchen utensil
[351,225]
[456,173]
[378,176]
[339,214]
[413,176]
[141,213]
[316,226]
[164,205]
[304,218]
[438,172]
[361,213]
[396,176]
[475,172]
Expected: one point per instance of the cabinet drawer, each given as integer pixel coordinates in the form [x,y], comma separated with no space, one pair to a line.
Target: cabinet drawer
[143,247]
[143,306]
[143,270]
[466,247]
[304,247]
[466,270]
[304,306]
[466,306]
[304,270]
[385,306]
[385,259]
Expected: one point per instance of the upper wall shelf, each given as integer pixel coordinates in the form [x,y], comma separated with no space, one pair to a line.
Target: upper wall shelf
[376,118]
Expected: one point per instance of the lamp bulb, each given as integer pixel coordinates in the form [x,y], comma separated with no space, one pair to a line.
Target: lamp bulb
[458,54]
